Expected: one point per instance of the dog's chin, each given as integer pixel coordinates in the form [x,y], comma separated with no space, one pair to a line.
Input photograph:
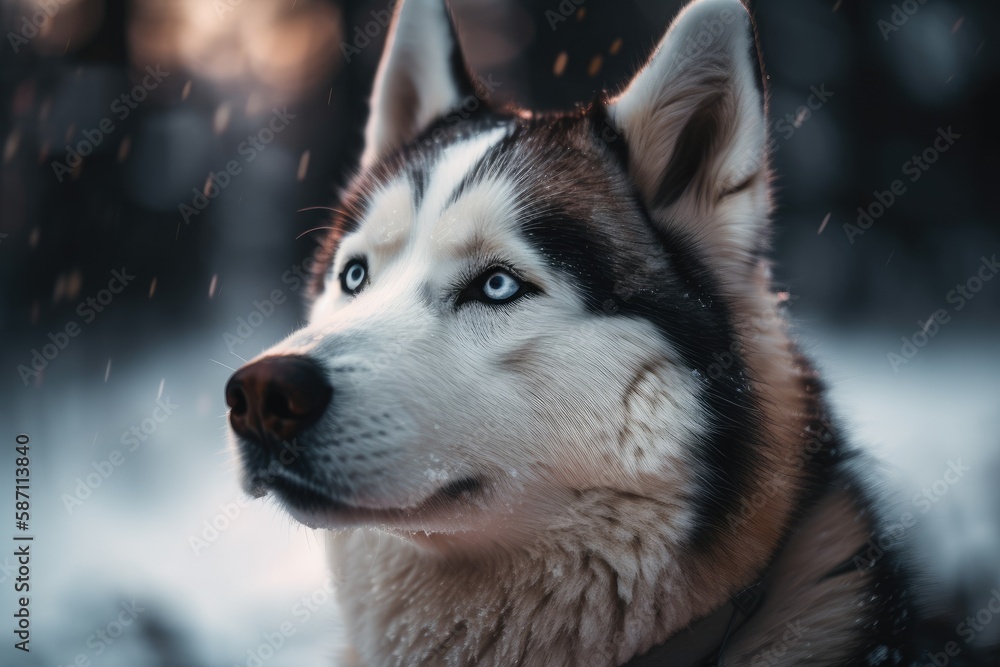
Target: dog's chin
[318,508]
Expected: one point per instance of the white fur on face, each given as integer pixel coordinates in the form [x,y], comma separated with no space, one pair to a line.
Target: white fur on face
[533,399]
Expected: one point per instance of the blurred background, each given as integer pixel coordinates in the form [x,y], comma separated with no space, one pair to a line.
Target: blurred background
[162,165]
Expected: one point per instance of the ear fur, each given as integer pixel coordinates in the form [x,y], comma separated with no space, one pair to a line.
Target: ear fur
[694,122]
[421,77]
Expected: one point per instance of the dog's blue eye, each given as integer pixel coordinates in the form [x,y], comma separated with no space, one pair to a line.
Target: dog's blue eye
[352,278]
[500,286]
[496,286]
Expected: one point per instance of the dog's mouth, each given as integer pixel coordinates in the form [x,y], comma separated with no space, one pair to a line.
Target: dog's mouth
[316,507]
[301,495]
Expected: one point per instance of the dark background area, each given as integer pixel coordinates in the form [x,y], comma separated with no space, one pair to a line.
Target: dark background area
[890,92]
[169,333]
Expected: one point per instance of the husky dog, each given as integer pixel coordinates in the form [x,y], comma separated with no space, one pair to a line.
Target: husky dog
[546,404]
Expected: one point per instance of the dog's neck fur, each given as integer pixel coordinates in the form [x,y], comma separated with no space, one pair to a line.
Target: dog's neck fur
[599,600]
[548,604]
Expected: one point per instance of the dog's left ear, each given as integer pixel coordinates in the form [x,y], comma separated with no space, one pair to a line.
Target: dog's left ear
[421,77]
[693,120]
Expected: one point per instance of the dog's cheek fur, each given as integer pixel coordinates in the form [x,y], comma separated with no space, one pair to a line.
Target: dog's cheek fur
[612,401]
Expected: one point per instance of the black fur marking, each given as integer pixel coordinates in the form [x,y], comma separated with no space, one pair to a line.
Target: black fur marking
[471,177]
[570,248]
[701,329]
[685,306]
[418,180]
[449,129]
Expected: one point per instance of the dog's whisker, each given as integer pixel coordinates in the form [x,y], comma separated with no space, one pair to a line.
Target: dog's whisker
[314,229]
[223,365]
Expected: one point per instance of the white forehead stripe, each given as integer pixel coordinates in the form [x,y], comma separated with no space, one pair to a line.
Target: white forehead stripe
[456,162]
[485,213]
[390,221]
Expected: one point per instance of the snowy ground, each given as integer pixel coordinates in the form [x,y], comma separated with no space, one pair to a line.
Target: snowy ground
[216,602]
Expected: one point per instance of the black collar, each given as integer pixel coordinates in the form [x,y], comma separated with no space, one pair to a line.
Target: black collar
[702,643]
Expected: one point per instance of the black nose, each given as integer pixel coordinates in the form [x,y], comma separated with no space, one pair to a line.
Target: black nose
[276,398]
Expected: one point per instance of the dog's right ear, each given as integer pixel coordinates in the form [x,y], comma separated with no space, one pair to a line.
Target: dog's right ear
[695,126]
[421,77]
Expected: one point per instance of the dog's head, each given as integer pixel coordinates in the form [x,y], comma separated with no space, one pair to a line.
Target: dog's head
[516,311]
